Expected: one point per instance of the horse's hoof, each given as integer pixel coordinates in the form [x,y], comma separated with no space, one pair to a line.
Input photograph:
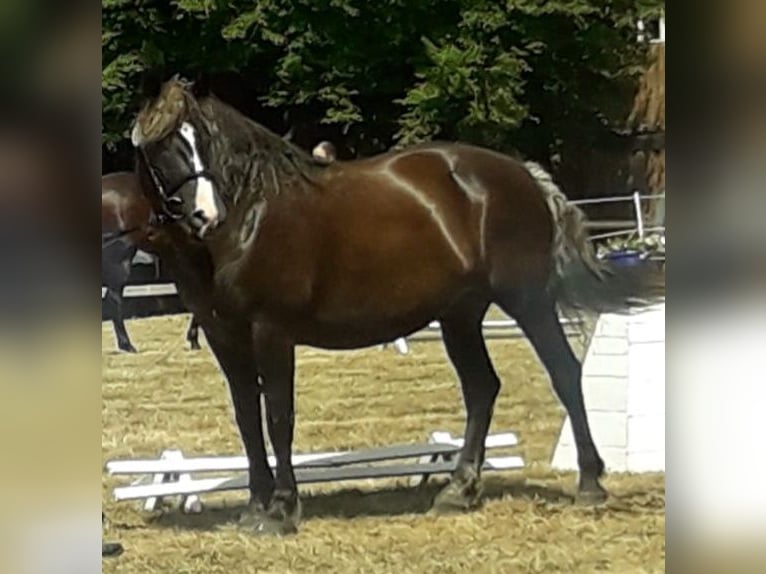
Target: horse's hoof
[276,521]
[195,347]
[269,526]
[591,497]
[251,517]
[455,498]
[128,349]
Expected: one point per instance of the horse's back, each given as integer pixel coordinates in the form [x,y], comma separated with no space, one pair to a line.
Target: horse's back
[487,206]
[122,184]
[489,170]
[123,205]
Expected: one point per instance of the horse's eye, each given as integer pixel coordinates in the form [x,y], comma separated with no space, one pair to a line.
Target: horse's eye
[175,201]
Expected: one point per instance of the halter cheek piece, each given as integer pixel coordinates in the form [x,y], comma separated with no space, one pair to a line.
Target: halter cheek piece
[170,201]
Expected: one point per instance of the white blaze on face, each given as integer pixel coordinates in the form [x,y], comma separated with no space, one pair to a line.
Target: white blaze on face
[204,198]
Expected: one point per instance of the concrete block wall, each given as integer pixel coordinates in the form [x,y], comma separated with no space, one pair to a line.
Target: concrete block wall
[624,390]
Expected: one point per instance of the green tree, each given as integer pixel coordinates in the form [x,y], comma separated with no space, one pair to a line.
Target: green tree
[528,72]
[505,73]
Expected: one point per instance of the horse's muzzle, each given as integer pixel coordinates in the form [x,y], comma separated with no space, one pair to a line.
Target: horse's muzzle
[203,223]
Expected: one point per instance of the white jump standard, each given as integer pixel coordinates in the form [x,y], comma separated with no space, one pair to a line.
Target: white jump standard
[624,389]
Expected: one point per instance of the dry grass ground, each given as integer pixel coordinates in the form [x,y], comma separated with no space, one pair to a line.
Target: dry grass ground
[167,396]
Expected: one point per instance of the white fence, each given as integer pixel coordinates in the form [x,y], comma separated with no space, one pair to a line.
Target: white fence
[628,227]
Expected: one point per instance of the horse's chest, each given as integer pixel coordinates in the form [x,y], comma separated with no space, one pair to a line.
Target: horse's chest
[252,287]
[268,263]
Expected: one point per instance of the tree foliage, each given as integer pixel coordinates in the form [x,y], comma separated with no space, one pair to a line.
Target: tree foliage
[506,73]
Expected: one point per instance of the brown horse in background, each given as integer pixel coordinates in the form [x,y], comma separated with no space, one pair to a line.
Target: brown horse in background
[125,218]
[272,250]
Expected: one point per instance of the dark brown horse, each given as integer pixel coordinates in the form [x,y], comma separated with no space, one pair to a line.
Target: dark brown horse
[125,217]
[272,250]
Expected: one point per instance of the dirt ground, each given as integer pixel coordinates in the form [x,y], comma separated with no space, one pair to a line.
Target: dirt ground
[169,397]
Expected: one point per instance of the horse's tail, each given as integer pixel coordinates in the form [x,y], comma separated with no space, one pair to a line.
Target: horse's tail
[579,280]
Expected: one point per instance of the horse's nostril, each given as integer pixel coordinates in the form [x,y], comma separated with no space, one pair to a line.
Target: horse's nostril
[200,215]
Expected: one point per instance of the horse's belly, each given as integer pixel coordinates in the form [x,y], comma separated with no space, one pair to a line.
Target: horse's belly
[369,316]
[357,334]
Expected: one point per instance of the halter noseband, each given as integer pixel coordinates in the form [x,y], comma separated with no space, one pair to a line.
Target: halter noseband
[169,198]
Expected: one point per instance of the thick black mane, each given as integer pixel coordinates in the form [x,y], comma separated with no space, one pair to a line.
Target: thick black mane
[250,160]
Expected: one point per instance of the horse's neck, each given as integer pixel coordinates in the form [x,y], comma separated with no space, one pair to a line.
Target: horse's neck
[188,262]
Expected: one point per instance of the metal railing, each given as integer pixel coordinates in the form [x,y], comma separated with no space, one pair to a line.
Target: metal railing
[627,226]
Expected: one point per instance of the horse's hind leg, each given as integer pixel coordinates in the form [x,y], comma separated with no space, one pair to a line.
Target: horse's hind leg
[192,334]
[114,296]
[536,315]
[464,342]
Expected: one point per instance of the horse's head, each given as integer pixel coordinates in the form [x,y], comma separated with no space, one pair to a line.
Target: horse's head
[173,141]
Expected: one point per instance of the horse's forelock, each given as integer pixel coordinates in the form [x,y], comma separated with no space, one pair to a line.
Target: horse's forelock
[166,112]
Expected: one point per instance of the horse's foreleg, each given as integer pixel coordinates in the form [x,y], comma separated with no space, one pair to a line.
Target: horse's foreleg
[114,296]
[276,364]
[464,342]
[236,361]
[192,334]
